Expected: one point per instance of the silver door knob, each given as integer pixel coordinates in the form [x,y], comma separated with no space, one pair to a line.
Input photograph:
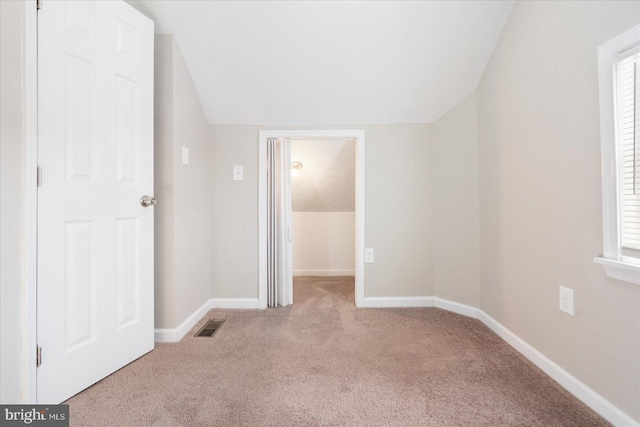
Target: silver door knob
[147,201]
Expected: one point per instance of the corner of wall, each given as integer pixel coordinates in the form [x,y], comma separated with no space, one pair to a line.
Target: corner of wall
[213,188]
[164,177]
[191,207]
[456,204]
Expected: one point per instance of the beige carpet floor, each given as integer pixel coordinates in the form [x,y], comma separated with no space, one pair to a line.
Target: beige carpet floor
[322,361]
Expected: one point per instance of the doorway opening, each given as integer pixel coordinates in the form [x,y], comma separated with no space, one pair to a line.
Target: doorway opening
[323,202]
[279,258]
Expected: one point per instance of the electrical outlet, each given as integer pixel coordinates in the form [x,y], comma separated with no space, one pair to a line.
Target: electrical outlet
[368,255]
[566,300]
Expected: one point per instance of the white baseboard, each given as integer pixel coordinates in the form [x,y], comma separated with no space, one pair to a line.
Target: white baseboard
[456,307]
[589,397]
[324,272]
[165,335]
[389,302]
[175,335]
[235,303]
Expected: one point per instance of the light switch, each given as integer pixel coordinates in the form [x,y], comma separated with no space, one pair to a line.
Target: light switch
[185,156]
[237,173]
[368,255]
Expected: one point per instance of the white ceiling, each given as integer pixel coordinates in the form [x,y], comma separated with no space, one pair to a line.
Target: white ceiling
[327,180]
[331,63]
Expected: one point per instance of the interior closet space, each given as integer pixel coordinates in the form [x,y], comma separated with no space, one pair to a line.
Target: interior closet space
[323,202]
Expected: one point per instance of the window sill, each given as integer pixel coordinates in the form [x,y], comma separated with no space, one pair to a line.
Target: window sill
[628,271]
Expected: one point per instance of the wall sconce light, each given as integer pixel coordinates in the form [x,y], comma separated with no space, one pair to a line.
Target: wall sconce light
[295,168]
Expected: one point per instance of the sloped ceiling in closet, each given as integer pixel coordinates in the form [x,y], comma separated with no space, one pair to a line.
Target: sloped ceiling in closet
[327,180]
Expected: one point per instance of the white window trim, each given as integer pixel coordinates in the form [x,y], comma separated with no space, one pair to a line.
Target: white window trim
[614,263]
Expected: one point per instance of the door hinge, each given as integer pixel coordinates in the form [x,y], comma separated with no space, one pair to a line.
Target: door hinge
[39,179]
[38,356]
[38,4]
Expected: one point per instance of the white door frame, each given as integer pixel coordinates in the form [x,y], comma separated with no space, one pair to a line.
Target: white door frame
[359,137]
[30,225]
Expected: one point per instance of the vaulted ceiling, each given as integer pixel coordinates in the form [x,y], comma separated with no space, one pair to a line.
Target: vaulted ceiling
[331,63]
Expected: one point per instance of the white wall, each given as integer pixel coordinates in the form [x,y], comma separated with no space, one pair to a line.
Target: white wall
[12,199]
[398,210]
[456,205]
[183,223]
[164,178]
[324,243]
[192,194]
[540,195]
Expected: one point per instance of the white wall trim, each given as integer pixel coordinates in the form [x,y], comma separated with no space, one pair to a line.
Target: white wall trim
[456,307]
[606,64]
[359,136]
[620,270]
[324,272]
[389,302]
[588,396]
[607,59]
[236,303]
[166,335]
[176,334]
[30,301]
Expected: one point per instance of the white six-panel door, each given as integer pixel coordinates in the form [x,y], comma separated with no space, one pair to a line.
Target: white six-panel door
[95,149]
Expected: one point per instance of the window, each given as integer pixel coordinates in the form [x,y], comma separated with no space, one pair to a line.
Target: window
[619,72]
[628,147]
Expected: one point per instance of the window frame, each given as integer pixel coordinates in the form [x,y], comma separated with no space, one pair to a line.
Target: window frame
[614,262]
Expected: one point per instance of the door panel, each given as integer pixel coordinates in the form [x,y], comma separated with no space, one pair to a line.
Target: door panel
[95,148]
[127,272]
[80,284]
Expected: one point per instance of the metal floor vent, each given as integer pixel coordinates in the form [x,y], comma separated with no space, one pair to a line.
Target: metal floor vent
[210,328]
